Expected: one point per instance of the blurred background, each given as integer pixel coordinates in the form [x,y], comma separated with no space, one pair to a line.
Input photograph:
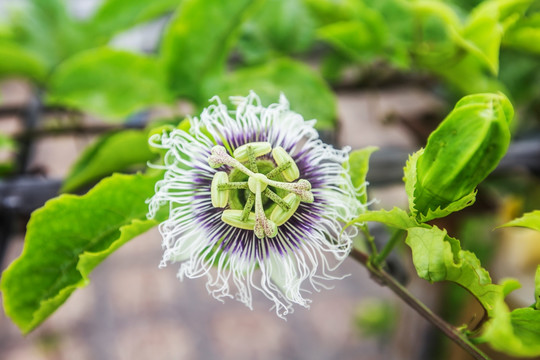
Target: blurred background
[82,83]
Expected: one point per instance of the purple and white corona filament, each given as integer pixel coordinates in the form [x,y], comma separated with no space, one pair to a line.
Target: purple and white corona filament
[256,201]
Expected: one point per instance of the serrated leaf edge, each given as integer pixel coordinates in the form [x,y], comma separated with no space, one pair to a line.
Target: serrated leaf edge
[454,206]
[43,308]
[410,179]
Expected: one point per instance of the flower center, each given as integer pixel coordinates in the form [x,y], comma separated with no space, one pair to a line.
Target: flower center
[257,186]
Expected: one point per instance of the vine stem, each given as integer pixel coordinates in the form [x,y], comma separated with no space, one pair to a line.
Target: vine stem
[385,279]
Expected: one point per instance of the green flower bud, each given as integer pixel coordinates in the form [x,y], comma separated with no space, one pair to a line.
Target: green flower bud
[259,148]
[462,151]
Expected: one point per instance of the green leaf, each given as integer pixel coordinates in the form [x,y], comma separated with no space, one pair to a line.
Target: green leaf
[516,333]
[306,91]
[396,218]
[355,39]
[529,220]
[487,24]
[526,324]
[525,34]
[438,257]
[333,66]
[7,143]
[358,167]
[278,26]
[117,15]
[410,179]
[66,239]
[454,206]
[109,83]
[520,72]
[468,76]
[439,9]
[361,37]
[328,12]
[458,60]
[111,153]
[8,147]
[482,37]
[399,19]
[17,61]
[366,31]
[526,38]
[45,29]
[197,42]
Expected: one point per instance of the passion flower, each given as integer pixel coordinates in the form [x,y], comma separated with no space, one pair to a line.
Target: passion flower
[256,201]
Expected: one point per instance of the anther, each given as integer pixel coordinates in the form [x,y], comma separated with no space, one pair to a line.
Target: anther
[281,157]
[234,218]
[219,197]
[279,215]
[241,153]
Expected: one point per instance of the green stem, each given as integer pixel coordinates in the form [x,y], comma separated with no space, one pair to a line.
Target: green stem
[365,230]
[385,279]
[378,259]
